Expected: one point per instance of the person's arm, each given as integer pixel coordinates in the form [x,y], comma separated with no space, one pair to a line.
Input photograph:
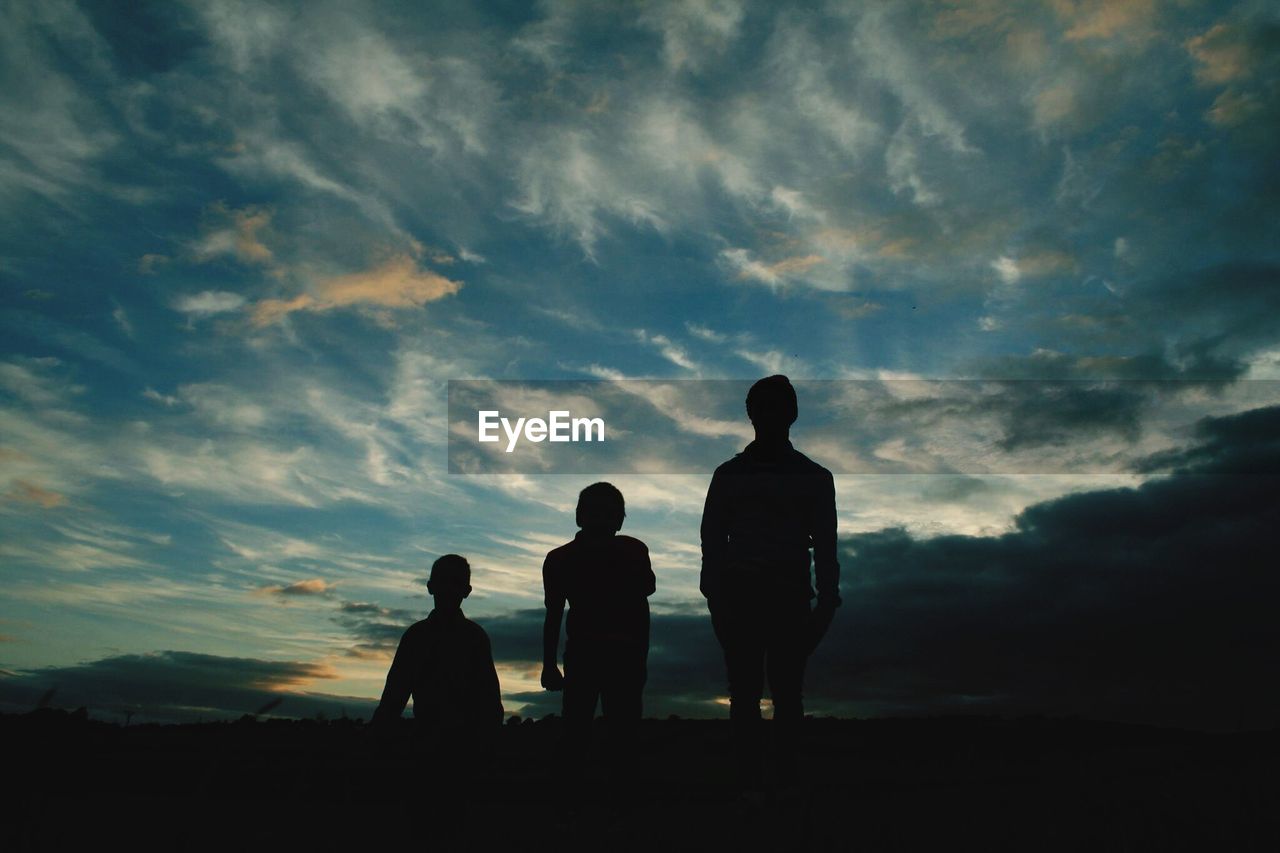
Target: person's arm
[395,694]
[826,569]
[491,689]
[715,540]
[648,580]
[552,679]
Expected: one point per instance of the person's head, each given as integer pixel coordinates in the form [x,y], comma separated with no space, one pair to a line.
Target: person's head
[601,508]
[450,580]
[771,406]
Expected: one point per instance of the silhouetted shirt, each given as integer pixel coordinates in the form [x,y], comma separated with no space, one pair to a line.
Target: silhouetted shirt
[765,508]
[446,663]
[607,580]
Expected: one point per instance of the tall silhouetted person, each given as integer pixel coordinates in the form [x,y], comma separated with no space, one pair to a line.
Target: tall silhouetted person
[606,579]
[765,509]
[446,663]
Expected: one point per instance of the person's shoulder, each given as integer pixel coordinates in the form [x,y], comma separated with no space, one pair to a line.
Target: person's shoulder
[474,632]
[629,544]
[731,465]
[808,465]
[560,552]
[416,631]
[473,627]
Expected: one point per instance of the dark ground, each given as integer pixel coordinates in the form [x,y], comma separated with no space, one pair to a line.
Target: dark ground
[967,783]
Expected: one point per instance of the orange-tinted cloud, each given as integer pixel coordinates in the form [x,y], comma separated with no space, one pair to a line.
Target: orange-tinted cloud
[746,267]
[313,586]
[27,492]
[1231,108]
[1104,19]
[238,235]
[397,283]
[1221,54]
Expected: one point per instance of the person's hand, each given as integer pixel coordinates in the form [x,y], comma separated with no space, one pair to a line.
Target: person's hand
[379,739]
[719,619]
[551,678]
[820,620]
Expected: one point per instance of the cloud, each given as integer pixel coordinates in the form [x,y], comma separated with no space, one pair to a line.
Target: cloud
[31,493]
[746,267]
[1033,264]
[670,350]
[310,587]
[1104,603]
[376,629]
[166,400]
[1104,19]
[1007,269]
[1038,414]
[1054,104]
[222,406]
[397,283]
[706,333]
[694,32]
[1232,108]
[1222,54]
[56,133]
[208,302]
[1244,443]
[240,237]
[181,686]
[151,263]
[36,382]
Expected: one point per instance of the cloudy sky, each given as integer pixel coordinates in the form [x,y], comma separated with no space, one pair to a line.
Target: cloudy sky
[245,246]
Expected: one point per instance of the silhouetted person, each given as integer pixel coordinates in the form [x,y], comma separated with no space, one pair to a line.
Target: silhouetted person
[606,579]
[446,663]
[765,509]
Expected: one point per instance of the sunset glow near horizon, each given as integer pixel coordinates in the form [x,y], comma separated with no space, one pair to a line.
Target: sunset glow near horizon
[247,245]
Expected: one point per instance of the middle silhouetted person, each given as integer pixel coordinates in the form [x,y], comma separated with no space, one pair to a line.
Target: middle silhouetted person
[606,580]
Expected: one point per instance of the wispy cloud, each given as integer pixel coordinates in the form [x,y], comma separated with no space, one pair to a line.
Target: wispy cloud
[208,302]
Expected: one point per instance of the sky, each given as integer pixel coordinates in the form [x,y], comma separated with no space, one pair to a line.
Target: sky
[1023,256]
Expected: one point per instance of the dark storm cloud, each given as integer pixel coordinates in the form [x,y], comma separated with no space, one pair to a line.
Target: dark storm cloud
[1228,307]
[376,629]
[1246,443]
[516,637]
[1059,414]
[174,686]
[1152,604]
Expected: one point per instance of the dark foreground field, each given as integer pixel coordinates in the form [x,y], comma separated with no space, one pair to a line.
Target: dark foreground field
[859,785]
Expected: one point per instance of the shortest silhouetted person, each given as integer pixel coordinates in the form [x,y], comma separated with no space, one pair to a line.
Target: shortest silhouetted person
[446,664]
[606,579]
